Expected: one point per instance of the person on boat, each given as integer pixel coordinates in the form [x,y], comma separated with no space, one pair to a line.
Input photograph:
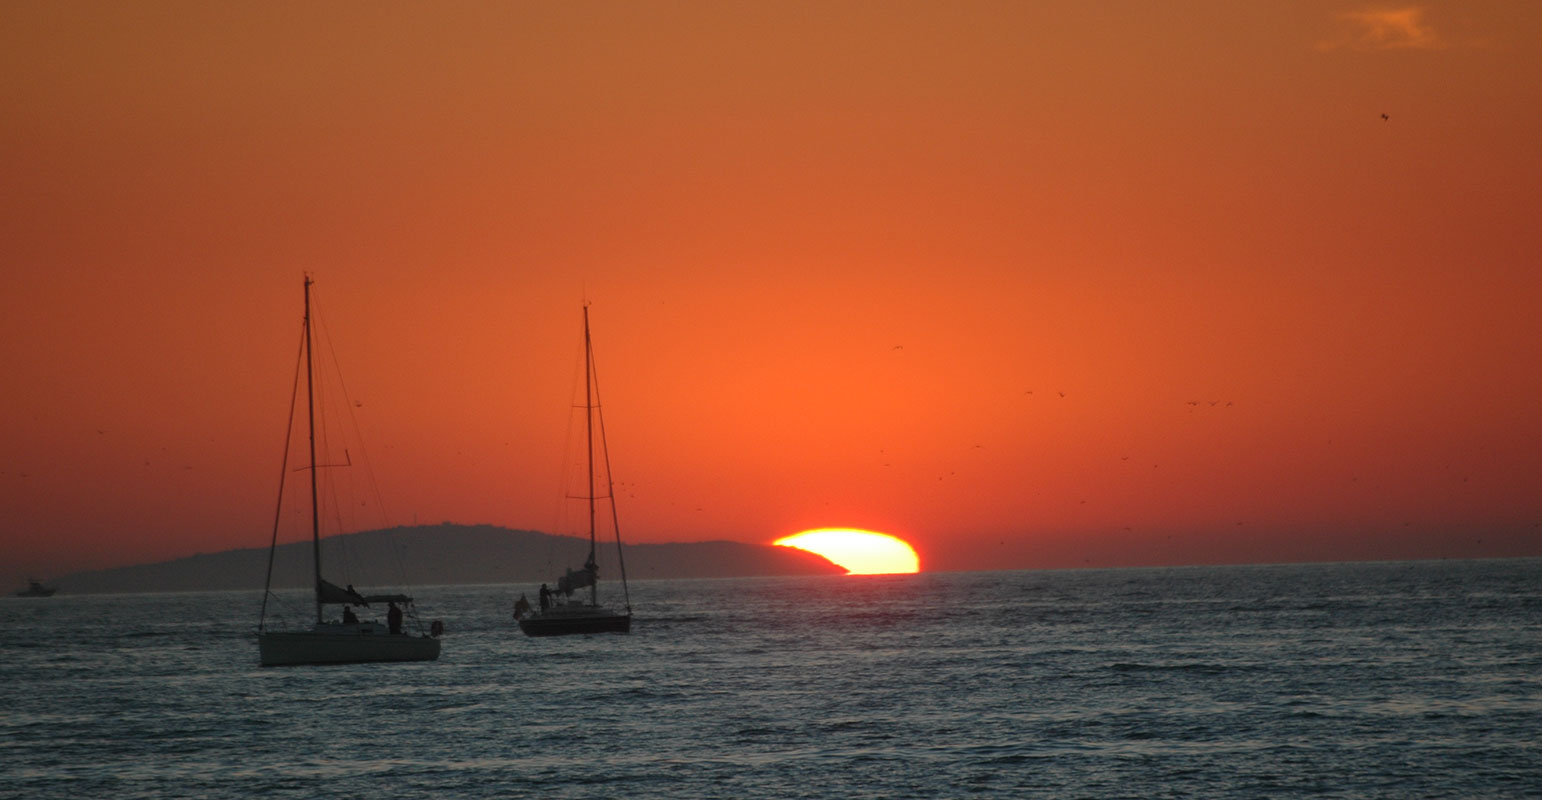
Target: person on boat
[545,597]
[348,616]
[394,618]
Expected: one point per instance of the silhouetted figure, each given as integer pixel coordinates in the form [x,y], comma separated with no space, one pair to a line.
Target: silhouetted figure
[348,616]
[394,618]
[545,597]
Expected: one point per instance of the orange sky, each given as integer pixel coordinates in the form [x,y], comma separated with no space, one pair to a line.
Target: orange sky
[830,247]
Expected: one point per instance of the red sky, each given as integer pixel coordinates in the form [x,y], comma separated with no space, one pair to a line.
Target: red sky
[831,249]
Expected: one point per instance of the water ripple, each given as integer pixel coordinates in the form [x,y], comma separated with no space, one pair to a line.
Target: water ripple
[1240,682]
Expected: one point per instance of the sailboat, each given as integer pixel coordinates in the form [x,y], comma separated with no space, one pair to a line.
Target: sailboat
[36,589]
[345,640]
[560,613]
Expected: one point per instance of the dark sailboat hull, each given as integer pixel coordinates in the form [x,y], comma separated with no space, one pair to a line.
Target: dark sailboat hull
[570,624]
[567,618]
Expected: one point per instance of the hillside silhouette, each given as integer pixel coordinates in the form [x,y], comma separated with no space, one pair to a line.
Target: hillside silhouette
[445,554]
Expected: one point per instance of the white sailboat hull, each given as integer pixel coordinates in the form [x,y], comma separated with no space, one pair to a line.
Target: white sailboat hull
[342,644]
[351,641]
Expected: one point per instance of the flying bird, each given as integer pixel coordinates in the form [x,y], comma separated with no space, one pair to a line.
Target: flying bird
[1384,118]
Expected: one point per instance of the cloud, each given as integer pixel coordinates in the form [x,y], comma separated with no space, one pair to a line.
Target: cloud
[1385,29]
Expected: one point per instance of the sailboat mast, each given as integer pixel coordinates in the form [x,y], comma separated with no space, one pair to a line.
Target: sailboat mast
[589,440]
[310,405]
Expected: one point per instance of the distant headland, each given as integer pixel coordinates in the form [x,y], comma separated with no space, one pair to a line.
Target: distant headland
[447,554]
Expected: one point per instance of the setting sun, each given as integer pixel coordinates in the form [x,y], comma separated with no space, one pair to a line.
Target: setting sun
[860,552]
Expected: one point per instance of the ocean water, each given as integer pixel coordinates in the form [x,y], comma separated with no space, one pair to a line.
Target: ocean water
[1420,679]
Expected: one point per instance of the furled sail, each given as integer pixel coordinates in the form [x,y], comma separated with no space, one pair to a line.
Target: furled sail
[332,593]
[575,580]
